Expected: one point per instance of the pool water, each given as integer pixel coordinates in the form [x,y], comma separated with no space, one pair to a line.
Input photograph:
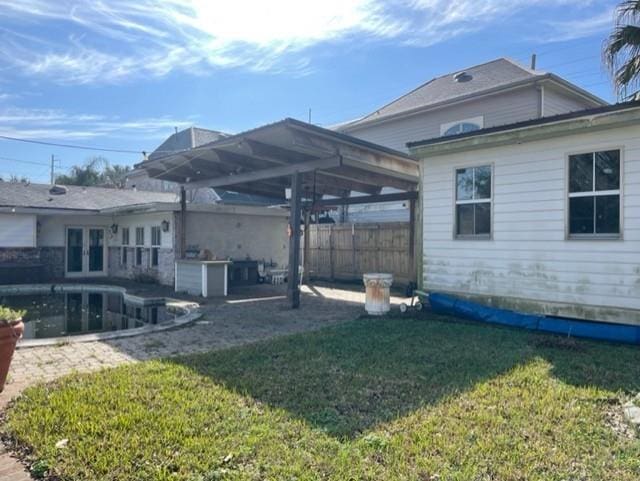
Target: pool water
[75,313]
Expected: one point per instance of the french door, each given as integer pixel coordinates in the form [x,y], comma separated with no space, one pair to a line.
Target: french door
[86,254]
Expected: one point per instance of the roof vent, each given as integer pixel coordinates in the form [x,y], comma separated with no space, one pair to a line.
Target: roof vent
[58,190]
[462,77]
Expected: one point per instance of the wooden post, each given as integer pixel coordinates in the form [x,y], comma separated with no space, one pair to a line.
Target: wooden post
[331,247]
[412,241]
[293,288]
[306,275]
[183,222]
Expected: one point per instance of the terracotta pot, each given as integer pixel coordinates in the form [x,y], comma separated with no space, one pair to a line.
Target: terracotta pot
[9,336]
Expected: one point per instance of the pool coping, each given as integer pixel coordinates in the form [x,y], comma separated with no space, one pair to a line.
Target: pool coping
[191,312]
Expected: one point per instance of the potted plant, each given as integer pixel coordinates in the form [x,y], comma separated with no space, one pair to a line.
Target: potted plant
[11,329]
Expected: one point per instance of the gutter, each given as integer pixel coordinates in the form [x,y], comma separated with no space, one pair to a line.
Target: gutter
[579,125]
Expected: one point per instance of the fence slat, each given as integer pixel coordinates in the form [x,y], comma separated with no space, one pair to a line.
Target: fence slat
[346,251]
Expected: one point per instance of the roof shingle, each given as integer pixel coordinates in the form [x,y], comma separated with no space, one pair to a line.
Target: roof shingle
[19,194]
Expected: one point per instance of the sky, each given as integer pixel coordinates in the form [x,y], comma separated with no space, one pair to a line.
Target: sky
[122,75]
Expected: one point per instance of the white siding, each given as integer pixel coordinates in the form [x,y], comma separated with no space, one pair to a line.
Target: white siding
[557,102]
[529,257]
[17,230]
[499,109]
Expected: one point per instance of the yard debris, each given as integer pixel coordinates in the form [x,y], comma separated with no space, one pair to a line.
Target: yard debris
[632,413]
[62,443]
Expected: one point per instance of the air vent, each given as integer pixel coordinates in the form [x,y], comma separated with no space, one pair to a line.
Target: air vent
[58,190]
[462,77]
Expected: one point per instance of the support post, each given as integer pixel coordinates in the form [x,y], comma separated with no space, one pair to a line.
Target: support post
[293,287]
[183,222]
[306,274]
[412,241]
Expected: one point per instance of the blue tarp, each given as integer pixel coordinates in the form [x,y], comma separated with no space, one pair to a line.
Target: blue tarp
[446,304]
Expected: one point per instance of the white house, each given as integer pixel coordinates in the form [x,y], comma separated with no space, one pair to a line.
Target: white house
[540,216]
[49,233]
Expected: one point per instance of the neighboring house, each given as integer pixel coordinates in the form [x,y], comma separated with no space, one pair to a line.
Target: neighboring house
[185,140]
[540,216]
[81,232]
[494,93]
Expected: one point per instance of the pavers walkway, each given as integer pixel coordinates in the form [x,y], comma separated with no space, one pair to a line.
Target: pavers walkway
[236,320]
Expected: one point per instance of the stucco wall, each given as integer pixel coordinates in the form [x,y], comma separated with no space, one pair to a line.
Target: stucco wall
[259,236]
[529,263]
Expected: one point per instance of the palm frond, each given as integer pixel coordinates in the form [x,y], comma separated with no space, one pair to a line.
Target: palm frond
[621,51]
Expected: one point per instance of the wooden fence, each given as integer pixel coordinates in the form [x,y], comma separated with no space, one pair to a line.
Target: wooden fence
[346,251]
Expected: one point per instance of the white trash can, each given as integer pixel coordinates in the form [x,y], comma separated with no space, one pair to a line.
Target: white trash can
[377,293]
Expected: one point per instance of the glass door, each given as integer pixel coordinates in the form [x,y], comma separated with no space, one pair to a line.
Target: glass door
[86,251]
[75,250]
[96,250]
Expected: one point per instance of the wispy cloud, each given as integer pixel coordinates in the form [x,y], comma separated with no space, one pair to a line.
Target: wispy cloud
[57,124]
[561,31]
[99,41]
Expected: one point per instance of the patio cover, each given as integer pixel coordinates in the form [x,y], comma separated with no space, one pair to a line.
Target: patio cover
[290,154]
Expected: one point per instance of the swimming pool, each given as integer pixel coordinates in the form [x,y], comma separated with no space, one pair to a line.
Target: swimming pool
[55,312]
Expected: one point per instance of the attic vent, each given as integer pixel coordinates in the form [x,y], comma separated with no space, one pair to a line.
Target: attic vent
[58,190]
[462,77]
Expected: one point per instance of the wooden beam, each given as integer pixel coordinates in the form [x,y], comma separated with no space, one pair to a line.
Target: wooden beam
[366,199]
[293,276]
[267,173]
[372,178]
[345,184]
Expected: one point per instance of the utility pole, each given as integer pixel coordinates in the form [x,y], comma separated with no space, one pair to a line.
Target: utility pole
[53,176]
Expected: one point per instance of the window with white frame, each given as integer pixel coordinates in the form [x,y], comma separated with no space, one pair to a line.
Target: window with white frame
[473,202]
[156,240]
[461,126]
[125,246]
[139,245]
[594,194]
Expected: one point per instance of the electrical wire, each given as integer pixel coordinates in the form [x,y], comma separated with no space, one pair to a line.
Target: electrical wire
[71,146]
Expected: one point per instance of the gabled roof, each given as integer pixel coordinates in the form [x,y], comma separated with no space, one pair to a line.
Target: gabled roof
[19,194]
[185,140]
[497,74]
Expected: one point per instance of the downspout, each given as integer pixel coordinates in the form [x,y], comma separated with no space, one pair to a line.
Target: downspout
[540,89]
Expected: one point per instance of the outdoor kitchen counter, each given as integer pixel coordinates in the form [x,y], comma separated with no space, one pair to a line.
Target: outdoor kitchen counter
[202,278]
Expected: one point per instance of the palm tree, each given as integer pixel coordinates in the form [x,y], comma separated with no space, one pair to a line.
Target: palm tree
[622,48]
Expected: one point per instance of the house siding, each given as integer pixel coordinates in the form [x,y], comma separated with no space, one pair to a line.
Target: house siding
[557,102]
[529,264]
[498,109]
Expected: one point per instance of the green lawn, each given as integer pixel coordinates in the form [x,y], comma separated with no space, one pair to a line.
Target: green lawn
[384,399]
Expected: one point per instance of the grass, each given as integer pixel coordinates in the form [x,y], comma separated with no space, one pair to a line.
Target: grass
[380,399]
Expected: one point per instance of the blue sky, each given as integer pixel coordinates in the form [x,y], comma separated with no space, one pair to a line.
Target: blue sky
[120,74]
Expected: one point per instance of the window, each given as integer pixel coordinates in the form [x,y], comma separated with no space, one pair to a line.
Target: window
[139,245]
[156,237]
[462,126]
[124,248]
[473,202]
[594,194]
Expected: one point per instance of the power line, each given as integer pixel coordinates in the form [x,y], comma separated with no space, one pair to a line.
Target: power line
[20,161]
[70,146]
